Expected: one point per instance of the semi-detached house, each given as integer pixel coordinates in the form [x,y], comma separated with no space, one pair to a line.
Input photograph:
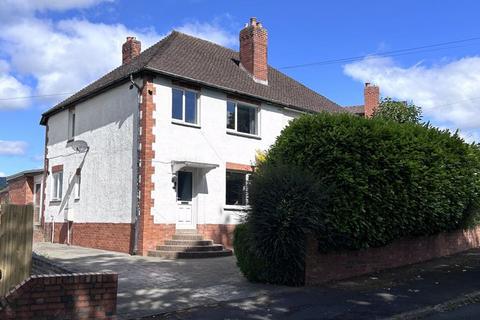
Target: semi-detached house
[164,144]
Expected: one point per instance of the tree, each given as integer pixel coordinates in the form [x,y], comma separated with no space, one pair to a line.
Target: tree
[398,111]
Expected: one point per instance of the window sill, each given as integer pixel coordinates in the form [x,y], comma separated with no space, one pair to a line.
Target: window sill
[186,124]
[230,207]
[55,202]
[246,135]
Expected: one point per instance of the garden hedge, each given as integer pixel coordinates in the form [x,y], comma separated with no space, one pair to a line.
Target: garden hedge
[380,181]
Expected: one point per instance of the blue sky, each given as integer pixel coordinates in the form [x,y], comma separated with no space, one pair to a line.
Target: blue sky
[57,47]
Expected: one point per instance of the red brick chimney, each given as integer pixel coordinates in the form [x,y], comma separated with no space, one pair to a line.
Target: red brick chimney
[130,49]
[372,99]
[253,50]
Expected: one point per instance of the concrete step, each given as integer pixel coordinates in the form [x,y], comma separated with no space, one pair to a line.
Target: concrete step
[215,247]
[187,237]
[189,255]
[188,243]
[186,231]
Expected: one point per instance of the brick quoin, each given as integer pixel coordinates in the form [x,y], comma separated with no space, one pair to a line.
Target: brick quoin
[146,227]
[347,264]
[45,176]
[73,296]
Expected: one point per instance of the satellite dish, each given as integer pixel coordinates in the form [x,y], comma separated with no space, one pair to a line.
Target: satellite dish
[79,146]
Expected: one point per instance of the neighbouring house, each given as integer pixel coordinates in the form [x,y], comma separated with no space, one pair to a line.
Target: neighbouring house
[162,147]
[371,94]
[25,188]
[4,195]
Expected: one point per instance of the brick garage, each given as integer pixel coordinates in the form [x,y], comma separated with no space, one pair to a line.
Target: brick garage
[321,268]
[74,296]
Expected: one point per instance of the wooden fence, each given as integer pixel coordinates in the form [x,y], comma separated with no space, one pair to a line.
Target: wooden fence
[16,233]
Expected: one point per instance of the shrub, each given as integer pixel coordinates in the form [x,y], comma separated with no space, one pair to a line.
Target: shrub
[387,181]
[286,204]
[252,267]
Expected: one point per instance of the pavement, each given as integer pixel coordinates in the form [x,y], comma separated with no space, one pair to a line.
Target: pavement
[152,288]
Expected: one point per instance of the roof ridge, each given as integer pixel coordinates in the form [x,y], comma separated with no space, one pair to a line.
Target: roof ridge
[204,40]
[161,44]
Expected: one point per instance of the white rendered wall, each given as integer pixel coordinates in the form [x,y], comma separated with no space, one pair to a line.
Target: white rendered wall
[106,122]
[208,144]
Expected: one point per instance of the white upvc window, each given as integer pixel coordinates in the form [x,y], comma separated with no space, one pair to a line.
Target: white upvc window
[185,106]
[71,123]
[57,186]
[78,181]
[242,118]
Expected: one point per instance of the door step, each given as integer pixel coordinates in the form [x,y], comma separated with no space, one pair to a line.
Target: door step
[186,231]
[187,237]
[190,255]
[187,248]
[188,244]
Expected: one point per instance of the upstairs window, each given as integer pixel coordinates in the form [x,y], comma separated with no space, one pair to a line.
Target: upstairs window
[237,188]
[242,118]
[185,106]
[71,124]
[57,186]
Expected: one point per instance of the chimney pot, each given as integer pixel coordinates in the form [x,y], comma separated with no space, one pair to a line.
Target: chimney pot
[253,50]
[130,49]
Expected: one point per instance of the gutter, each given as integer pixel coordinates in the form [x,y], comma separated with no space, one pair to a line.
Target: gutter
[53,111]
[221,88]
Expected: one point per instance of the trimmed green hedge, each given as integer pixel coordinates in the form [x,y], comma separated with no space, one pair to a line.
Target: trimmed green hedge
[389,180]
[354,183]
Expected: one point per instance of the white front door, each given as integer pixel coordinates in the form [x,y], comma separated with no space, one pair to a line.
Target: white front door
[185,210]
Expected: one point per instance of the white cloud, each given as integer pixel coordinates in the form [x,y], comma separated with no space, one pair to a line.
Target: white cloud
[66,55]
[63,56]
[44,5]
[12,148]
[2,174]
[210,31]
[449,93]
[11,87]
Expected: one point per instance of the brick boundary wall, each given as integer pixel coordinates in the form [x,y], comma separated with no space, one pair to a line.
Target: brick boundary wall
[74,296]
[321,268]
[106,236]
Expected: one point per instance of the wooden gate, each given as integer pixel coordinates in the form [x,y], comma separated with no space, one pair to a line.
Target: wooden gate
[16,233]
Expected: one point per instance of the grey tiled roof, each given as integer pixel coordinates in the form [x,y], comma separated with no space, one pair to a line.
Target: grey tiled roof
[188,58]
[356,109]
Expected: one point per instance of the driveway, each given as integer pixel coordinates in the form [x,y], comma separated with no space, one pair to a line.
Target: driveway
[446,288]
[148,285]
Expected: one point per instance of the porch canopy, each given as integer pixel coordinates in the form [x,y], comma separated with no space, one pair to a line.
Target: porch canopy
[179,165]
